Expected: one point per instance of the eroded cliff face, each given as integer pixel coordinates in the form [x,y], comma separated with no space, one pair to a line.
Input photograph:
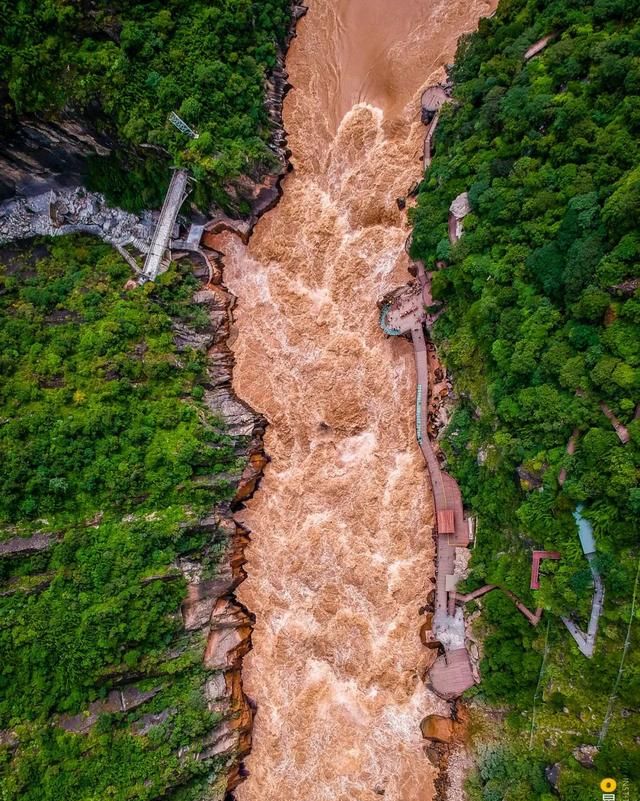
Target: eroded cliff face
[340,557]
[212,607]
[39,152]
[42,152]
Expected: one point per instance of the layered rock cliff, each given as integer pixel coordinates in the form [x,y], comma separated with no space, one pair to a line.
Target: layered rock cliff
[38,153]
[210,606]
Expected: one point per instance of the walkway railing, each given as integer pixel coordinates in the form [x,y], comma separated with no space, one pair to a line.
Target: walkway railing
[419,414]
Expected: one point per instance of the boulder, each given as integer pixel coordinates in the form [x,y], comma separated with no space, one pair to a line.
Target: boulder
[147,722]
[531,478]
[585,755]
[438,729]
[26,545]
[552,772]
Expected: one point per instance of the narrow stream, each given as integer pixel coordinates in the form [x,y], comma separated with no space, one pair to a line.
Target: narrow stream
[341,554]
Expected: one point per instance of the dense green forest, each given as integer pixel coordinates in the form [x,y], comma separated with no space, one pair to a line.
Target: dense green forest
[123,66]
[103,438]
[542,327]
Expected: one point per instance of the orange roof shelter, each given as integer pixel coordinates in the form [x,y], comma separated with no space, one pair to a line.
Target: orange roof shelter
[446,522]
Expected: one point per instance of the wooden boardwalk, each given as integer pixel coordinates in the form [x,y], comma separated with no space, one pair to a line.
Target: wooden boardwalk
[405,314]
[451,674]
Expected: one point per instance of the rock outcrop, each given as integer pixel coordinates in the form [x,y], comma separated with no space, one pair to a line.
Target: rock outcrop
[439,729]
[38,153]
[210,605]
[460,207]
[123,700]
[262,193]
[26,545]
[54,212]
[210,612]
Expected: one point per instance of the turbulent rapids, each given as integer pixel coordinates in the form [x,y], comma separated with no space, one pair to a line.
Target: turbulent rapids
[341,554]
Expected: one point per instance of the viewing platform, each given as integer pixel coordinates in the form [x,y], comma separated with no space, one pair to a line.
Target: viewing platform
[406,312]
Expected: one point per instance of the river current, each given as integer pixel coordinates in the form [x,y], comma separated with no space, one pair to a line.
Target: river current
[341,555]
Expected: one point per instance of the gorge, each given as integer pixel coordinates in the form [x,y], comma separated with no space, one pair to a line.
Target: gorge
[336,497]
[341,556]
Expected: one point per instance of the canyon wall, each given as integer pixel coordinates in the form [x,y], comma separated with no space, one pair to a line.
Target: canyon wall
[41,172]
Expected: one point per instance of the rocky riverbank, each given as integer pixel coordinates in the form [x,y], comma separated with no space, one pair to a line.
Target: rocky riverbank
[211,606]
[57,211]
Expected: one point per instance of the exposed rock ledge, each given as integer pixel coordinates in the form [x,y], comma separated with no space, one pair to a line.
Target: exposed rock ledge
[42,150]
[26,545]
[444,736]
[211,606]
[55,212]
[42,163]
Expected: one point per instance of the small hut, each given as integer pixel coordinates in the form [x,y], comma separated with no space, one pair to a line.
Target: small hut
[432,98]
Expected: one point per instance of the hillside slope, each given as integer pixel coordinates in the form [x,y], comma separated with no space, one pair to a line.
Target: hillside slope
[102,76]
[542,336]
[114,492]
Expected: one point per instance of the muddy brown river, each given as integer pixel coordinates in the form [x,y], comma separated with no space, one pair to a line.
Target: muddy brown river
[341,553]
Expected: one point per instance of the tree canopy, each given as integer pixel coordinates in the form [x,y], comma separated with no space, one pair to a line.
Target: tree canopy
[104,441]
[121,67]
[542,335]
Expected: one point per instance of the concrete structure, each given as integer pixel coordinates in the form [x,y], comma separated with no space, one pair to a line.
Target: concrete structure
[158,259]
[433,98]
[404,313]
[585,532]
[586,641]
[192,240]
[450,674]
